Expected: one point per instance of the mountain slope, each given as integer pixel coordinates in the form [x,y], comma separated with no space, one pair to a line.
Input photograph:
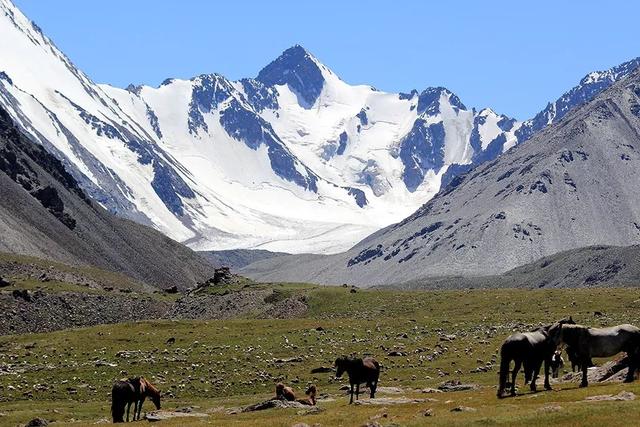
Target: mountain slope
[294,160]
[592,266]
[573,184]
[44,213]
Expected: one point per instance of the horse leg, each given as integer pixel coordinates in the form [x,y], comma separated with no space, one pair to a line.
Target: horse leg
[516,368]
[633,359]
[351,400]
[547,367]
[372,388]
[528,368]
[357,391]
[128,409]
[584,363]
[534,375]
[140,402]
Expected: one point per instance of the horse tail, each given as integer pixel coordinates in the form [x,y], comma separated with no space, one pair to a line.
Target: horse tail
[117,411]
[117,406]
[505,361]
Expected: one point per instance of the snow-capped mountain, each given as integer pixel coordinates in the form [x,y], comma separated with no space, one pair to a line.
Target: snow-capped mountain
[294,160]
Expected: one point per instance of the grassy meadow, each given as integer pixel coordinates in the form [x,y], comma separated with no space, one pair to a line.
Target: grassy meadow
[217,367]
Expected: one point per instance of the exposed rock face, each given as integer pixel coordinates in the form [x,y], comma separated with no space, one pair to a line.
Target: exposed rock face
[572,185]
[44,213]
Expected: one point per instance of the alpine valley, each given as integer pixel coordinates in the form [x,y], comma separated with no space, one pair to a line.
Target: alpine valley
[294,160]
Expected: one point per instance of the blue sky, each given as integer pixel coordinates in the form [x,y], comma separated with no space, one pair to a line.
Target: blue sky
[511,56]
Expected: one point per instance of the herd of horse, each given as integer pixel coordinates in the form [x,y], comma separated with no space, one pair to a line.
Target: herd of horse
[527,350]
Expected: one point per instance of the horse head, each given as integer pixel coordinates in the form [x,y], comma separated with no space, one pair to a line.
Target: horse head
[341,365]
[150,390]
[555,331]
[311,391]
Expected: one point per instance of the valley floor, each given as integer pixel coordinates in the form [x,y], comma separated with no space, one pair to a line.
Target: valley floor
[216,367]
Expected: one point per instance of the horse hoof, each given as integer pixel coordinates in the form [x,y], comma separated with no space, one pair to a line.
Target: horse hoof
[582,385]
[628,380]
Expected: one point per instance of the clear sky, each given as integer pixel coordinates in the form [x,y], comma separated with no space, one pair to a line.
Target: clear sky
[512,56]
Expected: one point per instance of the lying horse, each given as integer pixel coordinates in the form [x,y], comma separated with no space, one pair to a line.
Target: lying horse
[529,349]
[311,393]
[360,371]
[284,393]
[132,390]
[599,342]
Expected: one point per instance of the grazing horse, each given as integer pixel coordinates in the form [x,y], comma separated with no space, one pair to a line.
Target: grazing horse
[529,349]
[284,393]
[132,390]
[599,342]
[360,371]
[311,392]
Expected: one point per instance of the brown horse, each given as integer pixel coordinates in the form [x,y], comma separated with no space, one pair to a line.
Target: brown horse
[132,390]
[360,371]
[311,392]
[284,393]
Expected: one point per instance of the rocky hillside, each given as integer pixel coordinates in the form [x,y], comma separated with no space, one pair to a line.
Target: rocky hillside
[593,266]
[572,185]
[44,213]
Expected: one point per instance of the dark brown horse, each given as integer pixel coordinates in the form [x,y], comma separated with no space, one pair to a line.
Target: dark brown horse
[360,371]
[132,390]
[528,349]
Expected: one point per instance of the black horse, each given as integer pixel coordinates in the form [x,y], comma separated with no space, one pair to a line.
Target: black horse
[528,349]
[360,371]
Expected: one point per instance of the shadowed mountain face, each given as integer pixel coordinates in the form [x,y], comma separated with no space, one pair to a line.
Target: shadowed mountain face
[572,185]
[45,214]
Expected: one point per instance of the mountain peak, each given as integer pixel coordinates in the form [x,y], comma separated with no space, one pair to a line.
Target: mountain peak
[299,70]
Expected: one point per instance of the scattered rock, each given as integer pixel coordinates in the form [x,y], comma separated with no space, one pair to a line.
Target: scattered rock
[172,290]
[390,390]
[431,390]
[4,283]
[396,353]
[274,404]
[428,413]
[170,341]
[550,408]
[463,409]
[390,401]
[456,385]
[22,294]
[162,415]
[622,396]
[289,360]
[37,422]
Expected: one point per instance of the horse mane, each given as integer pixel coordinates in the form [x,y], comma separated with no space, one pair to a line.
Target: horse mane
[148,388]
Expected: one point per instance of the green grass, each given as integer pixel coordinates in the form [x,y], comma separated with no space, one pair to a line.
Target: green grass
[232,363]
